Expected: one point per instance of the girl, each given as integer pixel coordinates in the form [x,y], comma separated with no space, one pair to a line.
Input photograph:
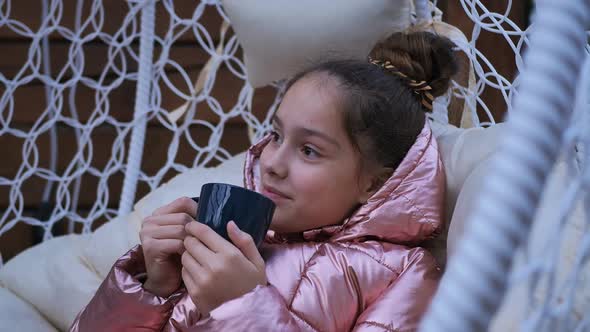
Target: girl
[355,173]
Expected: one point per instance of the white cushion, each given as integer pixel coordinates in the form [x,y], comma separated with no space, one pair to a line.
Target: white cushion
[464,205]
[281,37]
[17,315]
[54,277]
[462,150]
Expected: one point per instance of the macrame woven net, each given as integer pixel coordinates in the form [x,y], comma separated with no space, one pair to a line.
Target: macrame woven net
[164,86]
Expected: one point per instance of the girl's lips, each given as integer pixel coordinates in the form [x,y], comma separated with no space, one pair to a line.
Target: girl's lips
[274,194]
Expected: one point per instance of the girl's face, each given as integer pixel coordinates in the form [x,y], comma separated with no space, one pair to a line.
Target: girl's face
[310,169]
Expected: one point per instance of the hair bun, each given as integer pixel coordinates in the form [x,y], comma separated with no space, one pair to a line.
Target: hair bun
[421,56]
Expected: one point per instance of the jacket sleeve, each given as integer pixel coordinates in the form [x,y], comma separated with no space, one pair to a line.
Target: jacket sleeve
[121,303]
[401,306]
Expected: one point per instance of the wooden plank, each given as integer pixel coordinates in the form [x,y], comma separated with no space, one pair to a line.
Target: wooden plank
[100,147]
[492,45]
[15,58]
[28,12]
[29,101]
[235,140]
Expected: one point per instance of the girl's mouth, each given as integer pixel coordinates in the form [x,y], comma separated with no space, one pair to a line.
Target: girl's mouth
[274,194]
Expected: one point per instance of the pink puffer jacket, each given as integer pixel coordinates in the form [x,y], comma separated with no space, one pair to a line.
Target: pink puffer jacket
[363,275]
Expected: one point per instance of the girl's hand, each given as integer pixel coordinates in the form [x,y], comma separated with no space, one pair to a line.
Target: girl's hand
[215,271]
[162,238]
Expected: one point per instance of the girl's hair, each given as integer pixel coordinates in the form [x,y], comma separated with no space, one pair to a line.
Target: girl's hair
[385,98]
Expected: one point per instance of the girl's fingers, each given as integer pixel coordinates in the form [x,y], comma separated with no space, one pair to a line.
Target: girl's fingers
[169,219]
[180,205]
[193,290]
[246,244]
[167,246]
[199,252]
[167,232]
[208,237]
[188,281]
[193,267]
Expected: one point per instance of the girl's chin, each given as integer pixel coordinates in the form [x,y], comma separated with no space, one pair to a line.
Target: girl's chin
[279,226]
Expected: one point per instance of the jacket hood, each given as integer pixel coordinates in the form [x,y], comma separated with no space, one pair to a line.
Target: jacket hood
[407,209]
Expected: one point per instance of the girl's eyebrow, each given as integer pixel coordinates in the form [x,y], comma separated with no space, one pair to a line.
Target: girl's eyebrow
[307,132]
[311,132]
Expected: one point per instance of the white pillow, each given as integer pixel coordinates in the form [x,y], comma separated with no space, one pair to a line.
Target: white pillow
[462,150]
[54,277]
[281,37]
[17,315]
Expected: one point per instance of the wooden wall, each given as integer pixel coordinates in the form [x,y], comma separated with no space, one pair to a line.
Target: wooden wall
[30,101]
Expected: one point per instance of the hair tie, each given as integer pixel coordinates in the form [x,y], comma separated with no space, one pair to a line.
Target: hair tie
[422,88]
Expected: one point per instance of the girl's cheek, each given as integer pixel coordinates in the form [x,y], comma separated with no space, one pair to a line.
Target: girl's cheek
[307,179]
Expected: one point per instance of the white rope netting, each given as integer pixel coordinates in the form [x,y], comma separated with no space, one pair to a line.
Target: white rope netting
[487,76]
[197,117]
[165,86]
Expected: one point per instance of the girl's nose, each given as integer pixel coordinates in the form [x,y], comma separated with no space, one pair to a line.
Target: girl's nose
[275,163]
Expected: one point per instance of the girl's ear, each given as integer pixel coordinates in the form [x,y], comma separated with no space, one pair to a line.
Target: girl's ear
[371,183]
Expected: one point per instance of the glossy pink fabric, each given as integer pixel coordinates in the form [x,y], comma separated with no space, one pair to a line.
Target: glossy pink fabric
[362,275]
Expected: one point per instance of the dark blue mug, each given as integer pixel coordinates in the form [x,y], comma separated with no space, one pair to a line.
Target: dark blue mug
[220,203]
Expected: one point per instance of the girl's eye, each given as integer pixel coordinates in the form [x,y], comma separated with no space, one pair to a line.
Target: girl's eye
[309,152]
[275,136]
